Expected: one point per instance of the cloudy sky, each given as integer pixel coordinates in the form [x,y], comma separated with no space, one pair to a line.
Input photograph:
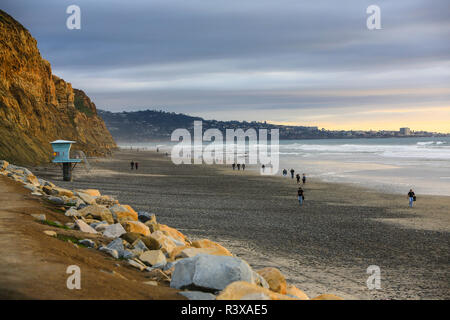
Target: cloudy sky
[285,61]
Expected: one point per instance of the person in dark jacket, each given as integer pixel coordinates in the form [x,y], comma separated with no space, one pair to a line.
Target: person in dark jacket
[304,178]
[411,197]
[301,196]
[292,173]
[298,178]
[132,164]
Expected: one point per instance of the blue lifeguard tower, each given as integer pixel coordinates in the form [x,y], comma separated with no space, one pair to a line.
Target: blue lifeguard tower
[61,154]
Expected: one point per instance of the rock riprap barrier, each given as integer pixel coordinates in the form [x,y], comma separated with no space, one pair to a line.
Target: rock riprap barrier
[202,268]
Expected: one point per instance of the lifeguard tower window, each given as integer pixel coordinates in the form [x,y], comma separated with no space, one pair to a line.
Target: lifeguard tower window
[61,154]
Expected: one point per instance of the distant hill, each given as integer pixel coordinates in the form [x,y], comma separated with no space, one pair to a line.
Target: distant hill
[152,125]
[36,107]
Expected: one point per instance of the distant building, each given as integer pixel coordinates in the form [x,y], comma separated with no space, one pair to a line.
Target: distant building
[405,131]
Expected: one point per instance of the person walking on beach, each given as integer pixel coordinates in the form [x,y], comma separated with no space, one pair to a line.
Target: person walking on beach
[292,173]
[301,195]
[239,166]
[136,164]
[243,166]
[298,178]
[412,197]
[263,167]
[132,164]
[284,172]
[233,166]
[304,178]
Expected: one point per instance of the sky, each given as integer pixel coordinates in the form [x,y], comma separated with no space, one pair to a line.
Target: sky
[311,63]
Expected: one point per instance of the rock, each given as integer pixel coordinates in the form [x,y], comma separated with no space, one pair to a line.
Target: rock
[294,291]
[197,295]
[3,165]
[127,254]
[70,225]
[153,258]
[40,217]
[327,296]
[36,194]
[137,227]
[210,273]
[90,192]
[109,251]
[106,201]
[144,216]
[174,233]
[117,245]
[98,212]
[139,245]
[256,296]
[152,225]
[88,243]
[73,202]
[150,243]
[122,213]
[274,278]
[101,226]
[84,227]
[56,191]
[135,264]
[31,178]
[260,281]
[240,289]
[151,283]
[192,252]
[114,231]
[86,198]
[165,243]
[50,233]
[56,200]
[30,187]
[72,213]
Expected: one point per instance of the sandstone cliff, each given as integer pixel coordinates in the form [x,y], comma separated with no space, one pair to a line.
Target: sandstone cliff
[37,107]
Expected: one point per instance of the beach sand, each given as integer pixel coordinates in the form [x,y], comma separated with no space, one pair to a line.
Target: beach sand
[325,246]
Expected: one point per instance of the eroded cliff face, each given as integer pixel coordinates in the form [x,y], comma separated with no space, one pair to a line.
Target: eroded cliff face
[37,107]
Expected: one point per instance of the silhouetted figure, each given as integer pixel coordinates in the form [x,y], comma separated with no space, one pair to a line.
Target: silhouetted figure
[284,172]
[239,166]
[136,165]
[412,197]
[263,168]
[292,173]
[301,196]
[304,178]
[233,166]
[298,177]
[132,164]
[243,166]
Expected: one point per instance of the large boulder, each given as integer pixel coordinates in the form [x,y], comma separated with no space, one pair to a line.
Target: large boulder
[137,227]
[33,180]
[56,191]
[91,192]
[173,233]
[295,292]
[274,278]
[150,242]
[97,212]
[106,201]
[145,216]
[114,231]
[123,213]
[166,244]
[86,198]
[153,258]
[208,244]
[210,273]
[56,200]
[117,244]
[84,227]
[241,290]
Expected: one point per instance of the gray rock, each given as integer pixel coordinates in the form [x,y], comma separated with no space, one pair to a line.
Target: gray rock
[197,295]
[40,217]
[114,231]
[136,264]
[127,254]
[86,197]
[100,226]
[88,243]
[73,202]
[30,187]
[145,216]
[153,258]
[210,272]
[56,200]
[139,245]
[36,194]
[117,245]
[84,227]
[109,251]
[170,265]
[72,213]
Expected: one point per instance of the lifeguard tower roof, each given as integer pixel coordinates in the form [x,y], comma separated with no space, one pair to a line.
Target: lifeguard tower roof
[63,141]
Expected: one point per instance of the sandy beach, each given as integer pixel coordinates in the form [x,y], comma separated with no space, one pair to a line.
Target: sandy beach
[324,246]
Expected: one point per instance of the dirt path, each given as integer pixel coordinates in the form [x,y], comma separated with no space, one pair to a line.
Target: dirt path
[33,265]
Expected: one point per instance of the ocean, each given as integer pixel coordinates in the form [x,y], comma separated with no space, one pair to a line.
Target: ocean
[392,165]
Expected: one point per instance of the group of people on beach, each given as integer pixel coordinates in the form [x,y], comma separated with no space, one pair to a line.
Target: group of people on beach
[238,166]
[134,165]
[300,191]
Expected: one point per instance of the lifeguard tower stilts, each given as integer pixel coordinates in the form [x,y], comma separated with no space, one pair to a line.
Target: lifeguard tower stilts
[61,153]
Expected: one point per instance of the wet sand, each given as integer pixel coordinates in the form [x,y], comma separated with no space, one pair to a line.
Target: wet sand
[324,246]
